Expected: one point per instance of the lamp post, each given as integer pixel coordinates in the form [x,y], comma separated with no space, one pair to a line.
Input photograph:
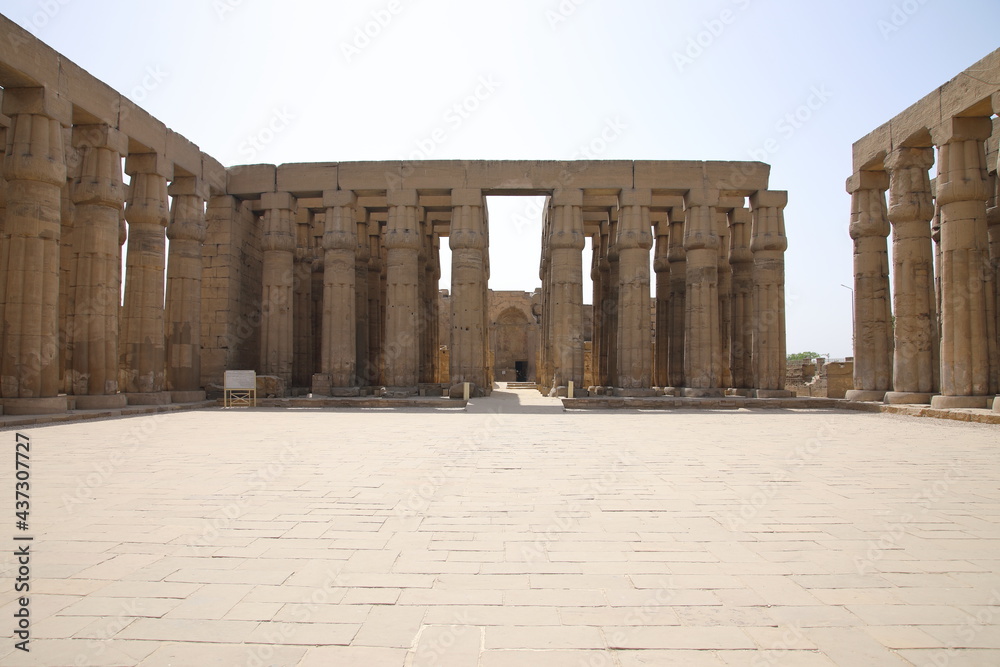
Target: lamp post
[853,332]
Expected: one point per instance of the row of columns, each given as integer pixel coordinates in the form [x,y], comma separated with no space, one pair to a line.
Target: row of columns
[936,341]
[61,233]
[719,313]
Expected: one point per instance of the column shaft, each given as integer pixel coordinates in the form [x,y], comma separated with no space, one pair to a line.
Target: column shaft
[702,339]
[768,244]
[677,314]
[340,246]
[741,261]
[566,242]
[661,266]
[402,240]
[362,255]
[468,280]
[634,241]
[277,323]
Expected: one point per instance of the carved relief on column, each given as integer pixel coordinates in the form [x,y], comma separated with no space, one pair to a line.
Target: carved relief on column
[768,244]
[634,241]
[277,325]
[143,341]
[566,243]
[873,344]
[915,357]
[93,322]
[741,262]
[676,324]
[468,281]
[35,171]
[186,232]
[702,340]
[340,247]
[661,266]
[968,340]
[402,241]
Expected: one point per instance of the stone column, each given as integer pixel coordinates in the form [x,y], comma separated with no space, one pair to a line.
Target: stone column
[362,255]
[402,240]
[661,266]
[68,255]
[92,327]
[186,232]
[277,323]
[143,341]
[768,244]
[993,220]
[340,245]
[566,243]
[702,339]
[432,276]
[612,305]
[872,309]
[741,262]
[725,293]
[468,280]
[600,270]
[607,306]
[545,328]
[376,304]
[35,170]
[676,317]
[634,241]
[915,365]
[304,364]
[967,289]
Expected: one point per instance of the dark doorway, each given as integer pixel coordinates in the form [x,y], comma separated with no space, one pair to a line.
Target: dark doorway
[521,369]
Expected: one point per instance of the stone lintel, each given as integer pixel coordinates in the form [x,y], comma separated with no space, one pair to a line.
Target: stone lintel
[214,174]
[39,100]
[183,153]
[250,180]
[149,163]
[335,198]
[768,199]
[962,129]
[868,180]
[277,200]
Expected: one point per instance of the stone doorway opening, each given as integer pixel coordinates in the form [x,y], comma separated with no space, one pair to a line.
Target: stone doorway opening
[521,370]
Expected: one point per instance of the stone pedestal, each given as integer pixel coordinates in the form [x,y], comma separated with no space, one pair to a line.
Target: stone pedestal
[195,396]
[148,398]
[34,406]
[955,402]
[865,396]
[143,342]
[872,312]
[905,397]
[99,402]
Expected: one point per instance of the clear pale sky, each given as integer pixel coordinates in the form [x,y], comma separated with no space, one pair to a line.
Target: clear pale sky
[791,83]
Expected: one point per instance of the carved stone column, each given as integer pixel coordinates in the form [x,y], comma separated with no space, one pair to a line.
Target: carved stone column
[468,279]
[402,240]
[93,326]
[634,241]
[702,336]
[725,291]
[768,244]
[35,171]
[676,324]
[362,255]
[376,303]
[277,323]
[340,246]
[661,266]
[143,341]
[915,365]
[186,232]
[741,262]
[968,340]
[566,243]
[872,310]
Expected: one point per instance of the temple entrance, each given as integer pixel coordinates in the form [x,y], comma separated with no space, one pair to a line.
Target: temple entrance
[521,370]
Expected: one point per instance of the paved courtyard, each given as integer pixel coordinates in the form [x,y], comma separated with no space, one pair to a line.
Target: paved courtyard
[514,534]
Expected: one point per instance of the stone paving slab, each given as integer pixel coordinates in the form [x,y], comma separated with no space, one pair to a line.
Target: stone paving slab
[513,533]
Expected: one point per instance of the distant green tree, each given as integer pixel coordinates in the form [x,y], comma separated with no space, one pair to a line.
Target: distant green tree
[801,356]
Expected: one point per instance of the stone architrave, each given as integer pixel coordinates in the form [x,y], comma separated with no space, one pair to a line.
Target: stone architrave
[967,290]
[873,340]
[702,336]
[768,244]
[143,342]
[915,365]
[468,279]
[93,321]
[277,323]
[186,232]
[677,315]
[741,262]
[339,351]
[634,241]
[35,171]
[566,243]
[402,308]
[661,266]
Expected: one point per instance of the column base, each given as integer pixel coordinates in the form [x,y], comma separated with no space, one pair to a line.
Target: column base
[637,392]
[907,397]
[673,391]
[400,392]
[35,406]
[321,384]
[187,396]
[773,393]
[744,393]
[710,392]
[996,405]
[949,402]
[149,398]
[106,402]
[865,396]
[432,389]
